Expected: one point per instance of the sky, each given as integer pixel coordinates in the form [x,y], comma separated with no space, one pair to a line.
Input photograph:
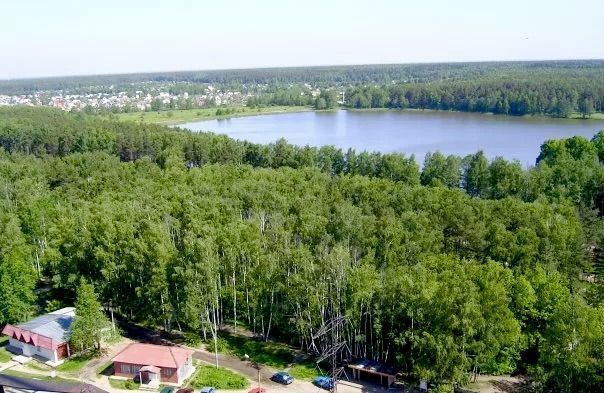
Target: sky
[65,37]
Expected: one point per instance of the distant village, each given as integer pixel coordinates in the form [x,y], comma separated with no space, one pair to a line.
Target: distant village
[124,101]
[146,96]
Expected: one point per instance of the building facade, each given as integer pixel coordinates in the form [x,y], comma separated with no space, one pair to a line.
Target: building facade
[151,363]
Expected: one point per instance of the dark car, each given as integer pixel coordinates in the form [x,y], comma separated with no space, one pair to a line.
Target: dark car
[167,389]
[283,378]
[324,382]
[207,389]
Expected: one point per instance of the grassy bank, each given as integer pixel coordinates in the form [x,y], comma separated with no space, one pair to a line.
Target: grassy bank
[188,115]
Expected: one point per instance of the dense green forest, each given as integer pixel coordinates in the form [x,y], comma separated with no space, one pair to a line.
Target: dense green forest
[522,95]
[461,264]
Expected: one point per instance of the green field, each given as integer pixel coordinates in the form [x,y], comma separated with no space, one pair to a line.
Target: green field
[74,364]
[187,115]
[218,377]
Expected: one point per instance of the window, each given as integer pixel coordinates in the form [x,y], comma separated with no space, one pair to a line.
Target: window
[167,372]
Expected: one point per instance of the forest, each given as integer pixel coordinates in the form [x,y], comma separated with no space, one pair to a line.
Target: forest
[444,268]
[324,77]
[522,95]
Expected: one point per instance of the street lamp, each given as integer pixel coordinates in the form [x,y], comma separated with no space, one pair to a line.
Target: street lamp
[257,366]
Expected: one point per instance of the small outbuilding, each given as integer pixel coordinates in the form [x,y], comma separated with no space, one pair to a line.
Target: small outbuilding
[380,371]
[153,364]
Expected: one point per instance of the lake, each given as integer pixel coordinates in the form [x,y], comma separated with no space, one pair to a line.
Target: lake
[409,132]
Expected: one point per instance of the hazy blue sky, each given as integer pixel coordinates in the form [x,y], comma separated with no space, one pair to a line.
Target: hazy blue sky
[62,37]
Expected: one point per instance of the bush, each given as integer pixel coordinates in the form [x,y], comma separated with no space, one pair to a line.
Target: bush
[192,339]
[220,378]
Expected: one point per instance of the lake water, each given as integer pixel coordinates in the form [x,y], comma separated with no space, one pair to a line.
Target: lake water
[409,132]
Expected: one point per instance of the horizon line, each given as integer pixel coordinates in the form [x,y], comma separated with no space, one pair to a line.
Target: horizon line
[291,67]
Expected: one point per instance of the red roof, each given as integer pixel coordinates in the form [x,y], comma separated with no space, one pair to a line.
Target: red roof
[30,338]
[154,355]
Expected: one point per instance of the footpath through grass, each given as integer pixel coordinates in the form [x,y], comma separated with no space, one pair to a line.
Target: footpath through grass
[188,115]
[220,378]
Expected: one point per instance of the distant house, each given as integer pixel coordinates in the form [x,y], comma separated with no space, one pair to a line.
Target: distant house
[154,363]
[12,384]
[45,337]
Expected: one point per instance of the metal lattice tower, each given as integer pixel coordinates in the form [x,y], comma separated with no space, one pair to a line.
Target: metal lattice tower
[329,345]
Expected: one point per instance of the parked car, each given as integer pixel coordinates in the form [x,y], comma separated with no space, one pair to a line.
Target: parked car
[208,389]
[324,382]
[283,378]
[185,390]
[257,390]
[167,389]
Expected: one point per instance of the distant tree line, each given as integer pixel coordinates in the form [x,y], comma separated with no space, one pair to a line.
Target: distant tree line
[467,264]
[539,95]
[326,76]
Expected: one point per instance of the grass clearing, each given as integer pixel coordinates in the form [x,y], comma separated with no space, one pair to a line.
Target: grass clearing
[306,371]
[187,115]
[220,378]
[269,353]
[74,364]
[123,384]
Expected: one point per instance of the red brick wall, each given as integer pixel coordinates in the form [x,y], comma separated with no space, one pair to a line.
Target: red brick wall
[119,370]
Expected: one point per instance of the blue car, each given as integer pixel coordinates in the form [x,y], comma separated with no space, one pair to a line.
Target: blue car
[324,382]
[283,378]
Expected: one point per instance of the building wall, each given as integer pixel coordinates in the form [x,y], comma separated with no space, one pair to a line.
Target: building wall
[131,370]
[185,370]
[31,350]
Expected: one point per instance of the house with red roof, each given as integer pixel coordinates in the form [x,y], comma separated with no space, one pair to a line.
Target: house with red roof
[153,364]
[45,337]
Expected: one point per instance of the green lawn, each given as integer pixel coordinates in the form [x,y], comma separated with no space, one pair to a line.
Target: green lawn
[74,364]
[127,384]
[187,115]
[304,371]
[220,378]
[4,355]
[269,353]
